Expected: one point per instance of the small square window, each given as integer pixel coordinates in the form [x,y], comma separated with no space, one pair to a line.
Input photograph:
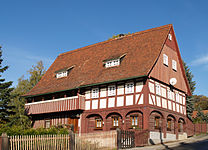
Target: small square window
[98,123]
[134,120]
[115,121]
[165,59]
[111,90]
[95,92]
[129,88]
[47,124]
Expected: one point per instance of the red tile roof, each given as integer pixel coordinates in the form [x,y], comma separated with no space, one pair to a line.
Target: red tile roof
[142,50]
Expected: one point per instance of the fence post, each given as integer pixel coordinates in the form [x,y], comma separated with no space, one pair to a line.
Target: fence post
[5,142]
[118,138]
[72,140]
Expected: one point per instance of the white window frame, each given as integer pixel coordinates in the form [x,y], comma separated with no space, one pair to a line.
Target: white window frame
[170,37]
[165,59]
[157,88]
[111,90]
[95,92]
[112,63]
[62,74]
[129,87]
[169,94]
[174,65]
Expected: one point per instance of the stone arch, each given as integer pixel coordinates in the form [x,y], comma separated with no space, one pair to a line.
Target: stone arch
[134,119]
[156,120]
[114,120]
[92,122]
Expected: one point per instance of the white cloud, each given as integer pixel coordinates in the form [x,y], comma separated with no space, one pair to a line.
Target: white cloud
[203,60]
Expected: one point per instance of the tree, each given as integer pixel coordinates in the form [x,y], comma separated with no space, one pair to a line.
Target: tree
[5,95]
[20,117]
[189,99]
[119,35]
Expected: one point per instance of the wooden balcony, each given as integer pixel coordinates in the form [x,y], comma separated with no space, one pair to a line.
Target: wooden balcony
[56,105]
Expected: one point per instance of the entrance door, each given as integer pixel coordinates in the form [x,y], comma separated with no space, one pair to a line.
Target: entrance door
[74,121]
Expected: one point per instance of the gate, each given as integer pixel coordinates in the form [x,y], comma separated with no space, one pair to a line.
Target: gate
[125,139]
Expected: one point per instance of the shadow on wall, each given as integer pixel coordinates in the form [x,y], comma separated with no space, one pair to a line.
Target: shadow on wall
[161,140]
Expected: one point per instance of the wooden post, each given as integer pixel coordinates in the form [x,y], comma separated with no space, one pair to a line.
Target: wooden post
[118,138]
[72,140]
[5,142]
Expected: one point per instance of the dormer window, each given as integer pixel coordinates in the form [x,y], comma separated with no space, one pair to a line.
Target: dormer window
[165,59]
[112,63]
[63,72]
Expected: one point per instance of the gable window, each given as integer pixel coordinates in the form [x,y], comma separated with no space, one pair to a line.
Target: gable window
[61,74]
[157,122]
[158,89]
[115,121]
[47,123]
[129,88]
[134,120]
[95,92]
[112,63]
[165,59]
[170,37]
[111,90]
[168,124]
[98,123]
[174,65]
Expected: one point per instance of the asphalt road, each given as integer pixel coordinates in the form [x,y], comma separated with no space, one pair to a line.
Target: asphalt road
[197,145]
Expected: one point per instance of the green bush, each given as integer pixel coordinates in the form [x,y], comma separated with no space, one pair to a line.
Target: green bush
[17,130]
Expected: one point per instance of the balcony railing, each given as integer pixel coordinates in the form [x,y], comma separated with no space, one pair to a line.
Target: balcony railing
[56,105]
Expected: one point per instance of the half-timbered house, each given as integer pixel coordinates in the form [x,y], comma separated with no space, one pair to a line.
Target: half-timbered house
[133,82]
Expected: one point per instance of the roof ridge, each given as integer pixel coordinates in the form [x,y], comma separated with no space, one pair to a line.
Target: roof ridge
[107,41]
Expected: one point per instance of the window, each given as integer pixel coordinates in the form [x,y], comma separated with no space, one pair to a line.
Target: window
[170,37]
[165,59]
[115,121]
[47,123]
[61,74]
[157,122]
[134,120]
[95,92]
[174,65]
[98,123]
[129,88]
[111,63]
[111,90]
[177,97]
[180,126]
[158,90]
[169,94]
[168,124]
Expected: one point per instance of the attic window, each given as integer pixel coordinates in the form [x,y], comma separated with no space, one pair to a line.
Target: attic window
[112,63]
[170,37]
[63,72]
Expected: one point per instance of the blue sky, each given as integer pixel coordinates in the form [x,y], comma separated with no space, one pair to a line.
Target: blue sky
[33,30]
